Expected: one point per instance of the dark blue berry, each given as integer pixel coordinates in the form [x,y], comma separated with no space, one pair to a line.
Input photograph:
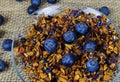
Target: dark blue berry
[19,0]
[31,9]
[23,62]
[69,26]
[105,10]
[50,44]
[68,60]
[69,37]
[1,19]
[36,3]
[81,28]
[38,28]
[2,65]
[22,40]
[101,24]
[75,12]
[79,44]
[92,65]
[30,64]
[52,32]
[47,70]
[7,44]
[52,1]
[90,46]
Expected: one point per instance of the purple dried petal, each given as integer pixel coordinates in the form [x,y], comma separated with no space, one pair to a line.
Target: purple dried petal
[101,24]
[99,17]
[19,35]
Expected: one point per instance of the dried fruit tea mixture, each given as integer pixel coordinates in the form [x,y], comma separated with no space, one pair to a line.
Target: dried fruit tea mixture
[72,46]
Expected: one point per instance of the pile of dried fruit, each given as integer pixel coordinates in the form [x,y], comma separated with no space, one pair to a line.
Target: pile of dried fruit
[72,46]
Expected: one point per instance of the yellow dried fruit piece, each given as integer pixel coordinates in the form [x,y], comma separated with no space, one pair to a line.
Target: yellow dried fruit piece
[115,50]
[58,57]
[26,55]
[62,70]
[106,77]
[112,65]
[30,53]
[45,52]
[41,80]
[82,80]
[61,79]
[16,49]
[35,64]
[70,46]
[50,76]
[105,67]
[43,75]
[76,77]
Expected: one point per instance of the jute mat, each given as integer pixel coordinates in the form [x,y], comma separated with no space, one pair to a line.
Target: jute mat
[14,12]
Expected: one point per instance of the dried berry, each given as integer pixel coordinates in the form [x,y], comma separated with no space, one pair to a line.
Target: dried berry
[68,60]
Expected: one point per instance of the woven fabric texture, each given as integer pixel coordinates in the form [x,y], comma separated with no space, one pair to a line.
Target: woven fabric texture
[14,13]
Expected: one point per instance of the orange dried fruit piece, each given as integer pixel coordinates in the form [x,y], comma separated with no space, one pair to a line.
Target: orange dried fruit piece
[83,79]
[107,77]
[35,64]
[21,50]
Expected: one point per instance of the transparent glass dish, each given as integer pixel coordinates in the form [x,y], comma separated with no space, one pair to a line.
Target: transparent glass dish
[21,31]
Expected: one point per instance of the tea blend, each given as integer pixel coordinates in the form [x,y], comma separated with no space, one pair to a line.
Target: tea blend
[71,46]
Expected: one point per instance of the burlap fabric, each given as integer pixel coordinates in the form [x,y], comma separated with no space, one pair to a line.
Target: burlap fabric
[14,12]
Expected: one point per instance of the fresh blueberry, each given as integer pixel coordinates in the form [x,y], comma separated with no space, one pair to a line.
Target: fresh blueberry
[2,65]
[69,37]
[19,0]
[105,10]
[92,65]
[90,46]
[81,28]
[47,70]
[31,9]
[36,3]
[52,1]
[68,60]
[50,44]
[7,44]
[1,19]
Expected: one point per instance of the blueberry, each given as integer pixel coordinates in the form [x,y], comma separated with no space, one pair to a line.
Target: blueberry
[69,37]
[52,1]
[68,59]
[31,9]
[1,19]
[7,44]
[92,65]
[19,0]
[2,65]
[105,10]
[81,28]
[90,46]
[50,44]
[36,3]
